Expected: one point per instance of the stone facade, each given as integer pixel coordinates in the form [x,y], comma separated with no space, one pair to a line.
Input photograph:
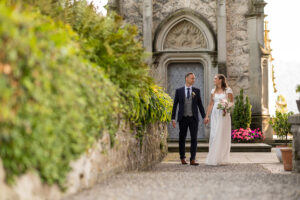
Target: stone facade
[132,10]
[295,121]
[164,8]
[237,45]
[98,163]
[225,36]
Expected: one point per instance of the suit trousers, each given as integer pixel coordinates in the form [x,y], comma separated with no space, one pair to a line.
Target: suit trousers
[184,124]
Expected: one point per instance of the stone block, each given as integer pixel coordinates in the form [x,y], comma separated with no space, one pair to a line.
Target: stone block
[98,163]
[295,121]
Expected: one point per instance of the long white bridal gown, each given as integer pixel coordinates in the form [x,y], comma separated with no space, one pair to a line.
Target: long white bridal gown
[220,133]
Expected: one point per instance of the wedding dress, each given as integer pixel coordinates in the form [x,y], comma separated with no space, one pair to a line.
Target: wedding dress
[220,133]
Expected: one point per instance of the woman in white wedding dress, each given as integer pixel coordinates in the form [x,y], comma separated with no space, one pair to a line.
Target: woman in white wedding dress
[220,132]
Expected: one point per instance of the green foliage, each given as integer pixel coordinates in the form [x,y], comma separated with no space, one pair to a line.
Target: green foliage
[112,45]
[280,124]
[54,104]
[241,116]
[61,89]
[298,88]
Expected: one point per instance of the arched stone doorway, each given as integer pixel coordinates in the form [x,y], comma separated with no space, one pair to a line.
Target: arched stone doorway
[184,42]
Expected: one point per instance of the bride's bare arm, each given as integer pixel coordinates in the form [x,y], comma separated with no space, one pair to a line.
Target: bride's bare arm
[230,97]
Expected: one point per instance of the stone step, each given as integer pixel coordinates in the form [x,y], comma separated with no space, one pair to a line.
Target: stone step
[235,147]
[175,140]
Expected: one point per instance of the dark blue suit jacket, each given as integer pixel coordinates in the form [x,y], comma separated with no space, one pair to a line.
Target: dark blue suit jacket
[196,103]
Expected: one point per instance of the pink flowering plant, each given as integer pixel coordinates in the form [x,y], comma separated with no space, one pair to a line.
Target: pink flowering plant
[247,135]
[225,106]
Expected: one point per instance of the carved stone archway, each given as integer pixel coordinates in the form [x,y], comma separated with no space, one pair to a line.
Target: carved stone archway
[185,37]
[184,26]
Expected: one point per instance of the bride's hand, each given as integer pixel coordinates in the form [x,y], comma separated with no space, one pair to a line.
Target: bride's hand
[206,120]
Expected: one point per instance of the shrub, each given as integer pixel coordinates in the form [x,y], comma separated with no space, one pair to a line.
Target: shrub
[55,98]
[113,46]
[241,116]
[54,104]
[280,124]
[247,135]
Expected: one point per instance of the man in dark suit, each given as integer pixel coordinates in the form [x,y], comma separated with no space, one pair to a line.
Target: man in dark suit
[189,101]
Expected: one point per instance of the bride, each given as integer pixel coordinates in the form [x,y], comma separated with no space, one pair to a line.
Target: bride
[220,132]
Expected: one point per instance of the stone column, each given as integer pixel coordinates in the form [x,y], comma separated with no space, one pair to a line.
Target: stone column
[147,27]
[258,74]
[221,32]
[295,121]
[265,116]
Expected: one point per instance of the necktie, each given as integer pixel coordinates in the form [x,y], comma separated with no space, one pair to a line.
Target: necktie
[188,93]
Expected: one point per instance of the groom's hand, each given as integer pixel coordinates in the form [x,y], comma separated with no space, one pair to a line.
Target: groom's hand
[174,123]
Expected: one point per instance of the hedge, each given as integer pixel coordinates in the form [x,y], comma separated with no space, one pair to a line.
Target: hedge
[54,104]
[62,84]
[113,46]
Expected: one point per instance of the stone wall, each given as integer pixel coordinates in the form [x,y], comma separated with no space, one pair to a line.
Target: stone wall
[132,10]
[295,121]
[237,45]
[164,8]
[98,163]
[243,41]
[236,37]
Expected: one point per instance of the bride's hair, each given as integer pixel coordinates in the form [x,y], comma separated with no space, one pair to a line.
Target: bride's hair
[224,84]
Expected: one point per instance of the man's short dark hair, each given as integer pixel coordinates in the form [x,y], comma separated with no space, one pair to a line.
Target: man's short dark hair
[190,73]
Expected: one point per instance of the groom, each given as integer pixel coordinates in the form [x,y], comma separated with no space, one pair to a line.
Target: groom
[189,100]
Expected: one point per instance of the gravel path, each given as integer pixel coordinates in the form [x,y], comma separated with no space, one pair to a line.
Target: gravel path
[173,181]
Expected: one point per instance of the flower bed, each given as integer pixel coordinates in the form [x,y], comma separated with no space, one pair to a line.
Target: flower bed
[247,135]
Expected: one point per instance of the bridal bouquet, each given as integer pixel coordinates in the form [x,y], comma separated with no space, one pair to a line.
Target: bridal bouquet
[225,106]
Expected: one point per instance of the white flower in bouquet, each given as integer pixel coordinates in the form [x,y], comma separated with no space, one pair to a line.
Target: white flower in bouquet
[225,106]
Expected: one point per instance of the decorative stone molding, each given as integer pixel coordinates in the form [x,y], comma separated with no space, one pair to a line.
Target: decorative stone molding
[184,31]
[163,9]
[256,8]
[185,35]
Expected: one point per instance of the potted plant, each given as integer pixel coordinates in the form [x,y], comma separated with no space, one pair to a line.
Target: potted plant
[298,101]
[287,157]
[282,128]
